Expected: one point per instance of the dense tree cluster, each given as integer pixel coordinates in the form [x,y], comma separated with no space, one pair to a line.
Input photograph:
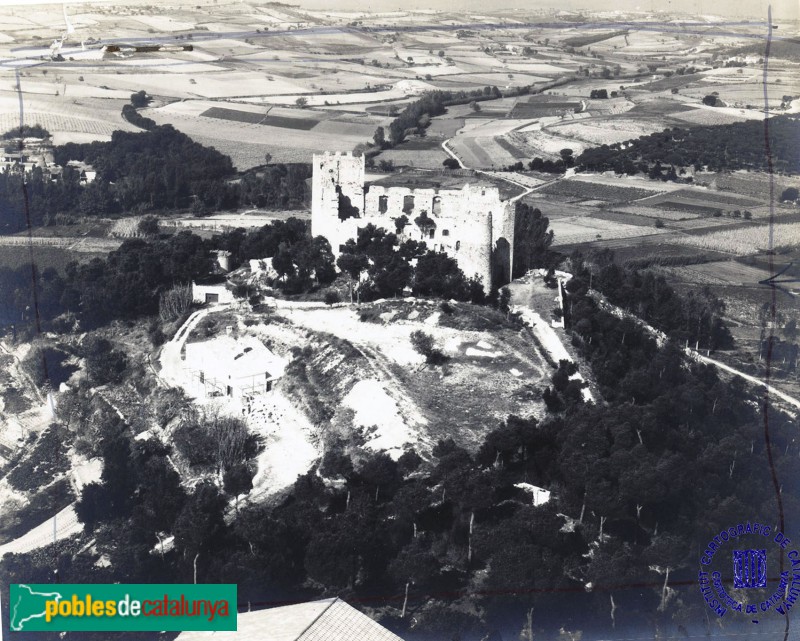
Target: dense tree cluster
[532,239]
[163,163]
[125,285]
[417,114]
[154,170]
[26,131]
[300,260]
[695,318]
[36,199]
[276,186]
[380,266]
[739,145]
[130,114]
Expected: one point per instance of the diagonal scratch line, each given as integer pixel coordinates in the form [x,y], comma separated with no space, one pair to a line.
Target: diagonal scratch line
[773,309]
[29,228]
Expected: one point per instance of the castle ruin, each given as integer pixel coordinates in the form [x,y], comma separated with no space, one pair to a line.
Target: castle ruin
[470,224]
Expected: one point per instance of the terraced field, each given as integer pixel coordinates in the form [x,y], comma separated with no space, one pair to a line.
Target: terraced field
[596,191]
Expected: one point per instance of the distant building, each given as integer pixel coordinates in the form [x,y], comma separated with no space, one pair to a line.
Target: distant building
[325,620]
[471,224]
[227,366]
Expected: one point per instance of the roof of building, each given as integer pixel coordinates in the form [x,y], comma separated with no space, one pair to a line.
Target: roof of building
[325,620]
[235,357]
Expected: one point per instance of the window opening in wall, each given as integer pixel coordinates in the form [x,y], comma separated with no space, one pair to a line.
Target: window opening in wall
[445,232]
[437,205]
[431,233]
[408,204]
[458,244]
[383,204]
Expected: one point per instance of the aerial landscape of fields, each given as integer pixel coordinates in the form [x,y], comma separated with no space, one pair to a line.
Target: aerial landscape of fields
[483,322]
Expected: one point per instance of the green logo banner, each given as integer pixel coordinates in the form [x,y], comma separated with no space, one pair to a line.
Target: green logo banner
[85,607]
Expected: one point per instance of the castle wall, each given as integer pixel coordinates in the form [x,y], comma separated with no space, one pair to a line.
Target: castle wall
[467,222]
[342,170]
[462,221]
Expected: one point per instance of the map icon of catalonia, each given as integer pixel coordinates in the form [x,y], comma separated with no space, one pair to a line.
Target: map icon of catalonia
[28,604]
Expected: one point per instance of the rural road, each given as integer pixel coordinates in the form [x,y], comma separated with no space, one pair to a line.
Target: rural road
[87,244]
[660,338]
[772,390]
[496,174]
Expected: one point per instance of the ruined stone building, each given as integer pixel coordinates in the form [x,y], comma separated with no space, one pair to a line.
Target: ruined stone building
[469,223]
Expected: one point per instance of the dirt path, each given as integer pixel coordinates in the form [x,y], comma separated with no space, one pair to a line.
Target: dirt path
[87,244]
[497,175]
[170,358]
[64,525]
[660,338]
[770,389]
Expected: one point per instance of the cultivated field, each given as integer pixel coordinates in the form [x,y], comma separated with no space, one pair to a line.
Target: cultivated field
[748,240]
[247,133]
[583,190]
[572,230]
[605,131]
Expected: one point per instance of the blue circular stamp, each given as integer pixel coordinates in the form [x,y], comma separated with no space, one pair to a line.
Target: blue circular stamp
[735,571]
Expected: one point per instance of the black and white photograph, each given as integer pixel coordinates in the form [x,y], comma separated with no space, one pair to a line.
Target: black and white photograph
[399,321]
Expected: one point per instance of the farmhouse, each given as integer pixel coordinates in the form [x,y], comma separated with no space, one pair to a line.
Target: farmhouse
[471,224]
[238,368]
[212,290]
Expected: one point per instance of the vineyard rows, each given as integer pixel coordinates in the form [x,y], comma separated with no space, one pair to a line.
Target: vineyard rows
[57,122]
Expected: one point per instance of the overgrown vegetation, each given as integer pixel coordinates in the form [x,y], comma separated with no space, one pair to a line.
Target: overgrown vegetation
[44,461]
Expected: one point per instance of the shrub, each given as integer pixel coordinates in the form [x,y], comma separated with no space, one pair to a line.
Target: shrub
[790,194]
[45,363]
[148,226]
[174,302]
[332,297]
[103,363]
[423,344]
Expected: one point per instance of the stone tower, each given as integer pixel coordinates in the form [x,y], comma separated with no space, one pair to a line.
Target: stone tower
[337,186]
